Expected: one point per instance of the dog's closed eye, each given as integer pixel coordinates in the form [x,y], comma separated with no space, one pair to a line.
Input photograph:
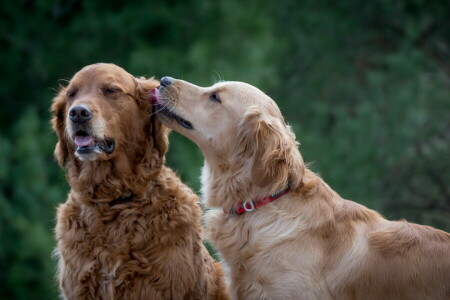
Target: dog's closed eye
[108,91]
[71,93]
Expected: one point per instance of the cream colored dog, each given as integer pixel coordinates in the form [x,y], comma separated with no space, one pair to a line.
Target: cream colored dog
[281,230]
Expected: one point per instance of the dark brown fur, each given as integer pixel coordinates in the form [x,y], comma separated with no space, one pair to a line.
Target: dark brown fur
[148,247]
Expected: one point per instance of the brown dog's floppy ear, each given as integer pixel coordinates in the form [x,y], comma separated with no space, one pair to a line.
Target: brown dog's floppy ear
[143,89]
[58,110]
[276,158]
[160,133]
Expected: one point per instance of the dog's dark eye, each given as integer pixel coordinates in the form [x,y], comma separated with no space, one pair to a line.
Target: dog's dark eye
[71,93]
[215,98]
[109,91]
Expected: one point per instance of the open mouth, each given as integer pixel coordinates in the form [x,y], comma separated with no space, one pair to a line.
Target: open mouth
[162,109]
[87,144]
[166,112]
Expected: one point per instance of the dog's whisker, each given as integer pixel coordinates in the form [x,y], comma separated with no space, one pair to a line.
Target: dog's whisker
[162,107]
[219,77]
[166,105]
[173,107]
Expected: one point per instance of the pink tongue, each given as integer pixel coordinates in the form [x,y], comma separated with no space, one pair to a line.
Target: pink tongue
[155,96]
[82,141]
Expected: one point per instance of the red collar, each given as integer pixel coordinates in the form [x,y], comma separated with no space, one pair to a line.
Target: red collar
[252,205]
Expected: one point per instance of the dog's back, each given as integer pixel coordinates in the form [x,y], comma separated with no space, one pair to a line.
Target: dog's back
[392,260]
[308,247]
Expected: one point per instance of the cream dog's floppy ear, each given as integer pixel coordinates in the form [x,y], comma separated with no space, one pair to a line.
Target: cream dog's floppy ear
[276,158]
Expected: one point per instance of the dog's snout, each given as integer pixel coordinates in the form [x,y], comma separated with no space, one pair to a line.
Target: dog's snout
[166,80]
[80,114]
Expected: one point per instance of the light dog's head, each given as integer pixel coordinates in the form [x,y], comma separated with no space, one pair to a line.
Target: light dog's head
[233,123]
[101,111]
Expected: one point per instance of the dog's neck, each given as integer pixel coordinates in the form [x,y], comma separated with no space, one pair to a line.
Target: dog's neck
[225,185]
[106,180]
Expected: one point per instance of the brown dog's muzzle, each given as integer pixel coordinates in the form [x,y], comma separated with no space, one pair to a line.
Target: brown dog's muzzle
[86,140]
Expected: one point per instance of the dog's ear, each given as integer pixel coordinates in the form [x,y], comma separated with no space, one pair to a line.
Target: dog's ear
[159,132]
[58,111]
[160,135]
[143,89]
[276,158]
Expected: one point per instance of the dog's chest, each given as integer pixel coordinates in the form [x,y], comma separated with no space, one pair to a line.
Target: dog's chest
[268,256]
[114,257]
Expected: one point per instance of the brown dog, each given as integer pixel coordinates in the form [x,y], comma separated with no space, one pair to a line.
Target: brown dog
[130,229]
[282,231]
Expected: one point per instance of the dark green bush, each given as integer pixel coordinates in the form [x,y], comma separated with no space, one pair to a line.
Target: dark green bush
[365,84]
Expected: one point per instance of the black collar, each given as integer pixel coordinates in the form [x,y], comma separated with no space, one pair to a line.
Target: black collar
[126,197]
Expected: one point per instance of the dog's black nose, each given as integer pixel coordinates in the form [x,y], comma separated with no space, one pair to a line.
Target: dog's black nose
[166,80]
[80,114]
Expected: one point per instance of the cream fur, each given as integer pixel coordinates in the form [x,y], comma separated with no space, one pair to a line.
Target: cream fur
[311,243]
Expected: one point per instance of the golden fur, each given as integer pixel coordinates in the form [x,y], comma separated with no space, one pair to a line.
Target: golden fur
[111,246]
[311,243]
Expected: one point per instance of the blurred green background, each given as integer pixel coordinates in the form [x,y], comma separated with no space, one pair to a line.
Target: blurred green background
[365,85]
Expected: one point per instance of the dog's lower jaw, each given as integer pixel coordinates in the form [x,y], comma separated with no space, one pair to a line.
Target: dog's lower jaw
[94,155]
[170,115]
[93,152]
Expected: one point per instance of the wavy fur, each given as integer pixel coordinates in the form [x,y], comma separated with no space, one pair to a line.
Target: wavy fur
[311,243]
[146,248]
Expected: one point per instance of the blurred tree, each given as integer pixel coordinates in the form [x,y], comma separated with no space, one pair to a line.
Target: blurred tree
[365,84]
[372,100]
[29,191]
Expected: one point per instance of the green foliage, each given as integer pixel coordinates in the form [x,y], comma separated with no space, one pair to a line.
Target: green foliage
[365,85]
[30,190]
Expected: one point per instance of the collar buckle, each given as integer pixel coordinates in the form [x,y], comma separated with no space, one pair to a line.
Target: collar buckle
[249,206]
